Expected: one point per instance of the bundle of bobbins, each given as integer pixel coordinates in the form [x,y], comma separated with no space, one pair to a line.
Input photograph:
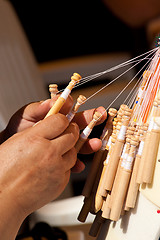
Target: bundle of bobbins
[118,187]
[123,162]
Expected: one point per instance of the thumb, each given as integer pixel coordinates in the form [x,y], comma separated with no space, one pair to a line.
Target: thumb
[38,110]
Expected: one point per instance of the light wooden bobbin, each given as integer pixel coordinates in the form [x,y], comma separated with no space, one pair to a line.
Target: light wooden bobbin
[61,100]
[153,150]
[118,200]
[86,132]
[146,146]
[121,164]
[113,163]
[53,89]
[80,100]
[98,155]
[101,191]
[109,124]
[106,207]
[134,186]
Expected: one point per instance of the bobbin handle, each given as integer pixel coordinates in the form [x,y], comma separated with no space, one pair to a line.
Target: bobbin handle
[151,157]
[133,186]
[85,209]
[92,173]
[61,100]
[117,202]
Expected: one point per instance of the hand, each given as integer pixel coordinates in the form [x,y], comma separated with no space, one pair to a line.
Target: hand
[35,166]
[30,114]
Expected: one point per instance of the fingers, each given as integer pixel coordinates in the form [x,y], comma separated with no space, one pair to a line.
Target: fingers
[45,106]
[52,126]
[91,145]
[69,159]
[35,112]
[67,139]
[84,118]
[78,167]
[67,105]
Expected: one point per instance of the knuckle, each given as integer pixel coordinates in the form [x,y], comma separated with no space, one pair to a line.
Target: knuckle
[62,119]
[75,131]
[73,156]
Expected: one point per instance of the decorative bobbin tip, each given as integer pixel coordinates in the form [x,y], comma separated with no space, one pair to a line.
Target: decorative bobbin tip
[76,77]
[97,116]
[81,99]
[53,89]
[112,112]
[134,141]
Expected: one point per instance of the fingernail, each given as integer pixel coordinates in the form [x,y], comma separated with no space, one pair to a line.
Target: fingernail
[45,101]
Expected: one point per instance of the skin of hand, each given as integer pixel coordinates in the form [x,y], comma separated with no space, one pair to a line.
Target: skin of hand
[36,161]
[35,168]
[28,115]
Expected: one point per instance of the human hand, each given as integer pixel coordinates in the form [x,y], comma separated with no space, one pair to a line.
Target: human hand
[30,114]
[36,163]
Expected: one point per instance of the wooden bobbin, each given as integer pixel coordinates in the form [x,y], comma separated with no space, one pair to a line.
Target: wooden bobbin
[80,100]
[96,225]
[134,186]
[113,163]
[146,146]
[139,177]
[146,75]
[96,163]
[151,155]
[53,89]
[119,198]
[119,169]
[86,132]
[109,124]
[106,207]
[61,100]
[85,208]
[101,187]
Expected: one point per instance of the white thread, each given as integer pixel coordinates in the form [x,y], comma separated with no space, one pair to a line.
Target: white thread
[86,132]
[109,142]
[70,116]
[128,163]
[140,93]
[140,149]
[123,153]
[107,159]
[65,93]
[122,132]
[151,124]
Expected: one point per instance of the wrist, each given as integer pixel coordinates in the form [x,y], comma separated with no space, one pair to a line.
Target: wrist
[10,215]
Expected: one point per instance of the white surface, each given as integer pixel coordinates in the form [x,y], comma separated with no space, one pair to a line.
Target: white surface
[143,223]
[61,213]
